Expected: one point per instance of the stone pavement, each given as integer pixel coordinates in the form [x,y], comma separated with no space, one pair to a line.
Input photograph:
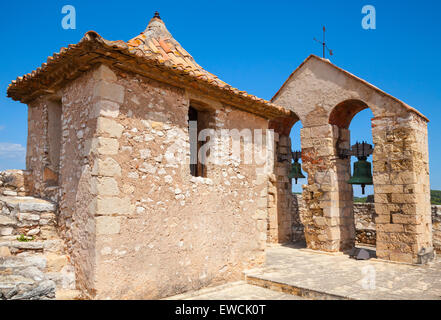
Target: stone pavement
[320,275]
[235,291]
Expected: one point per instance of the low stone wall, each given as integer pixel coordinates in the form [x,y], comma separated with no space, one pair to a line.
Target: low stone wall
[20,214]
[26,217]
[33,264]
[364,214]
[14,182]
[365,231]
[298,233]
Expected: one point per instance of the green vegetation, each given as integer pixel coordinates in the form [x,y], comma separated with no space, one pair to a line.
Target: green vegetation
[435,197]
[360,200]
[23,238]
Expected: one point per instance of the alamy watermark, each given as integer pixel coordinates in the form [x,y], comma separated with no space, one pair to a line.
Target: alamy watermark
[225,146]
[368,282]
[69,21]
[369,21]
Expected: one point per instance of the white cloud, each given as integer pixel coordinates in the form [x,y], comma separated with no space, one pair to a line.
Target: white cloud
[12,151]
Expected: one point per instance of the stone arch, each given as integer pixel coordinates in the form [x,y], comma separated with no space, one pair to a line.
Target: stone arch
[343,113]
[340,118]
[326,98]
[280,197]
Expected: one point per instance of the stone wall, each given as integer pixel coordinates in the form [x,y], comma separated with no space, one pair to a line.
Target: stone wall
[365,229]
[160,231]
[436,225]
[298,230]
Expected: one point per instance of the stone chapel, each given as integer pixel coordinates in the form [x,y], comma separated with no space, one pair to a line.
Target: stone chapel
[109,144]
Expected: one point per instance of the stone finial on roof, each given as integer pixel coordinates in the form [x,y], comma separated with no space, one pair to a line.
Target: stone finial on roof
[157,15]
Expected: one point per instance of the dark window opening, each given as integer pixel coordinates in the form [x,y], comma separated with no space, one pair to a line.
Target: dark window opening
[52,168]
[195,125]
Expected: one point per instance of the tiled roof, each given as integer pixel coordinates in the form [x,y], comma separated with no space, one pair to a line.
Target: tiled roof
[154,52]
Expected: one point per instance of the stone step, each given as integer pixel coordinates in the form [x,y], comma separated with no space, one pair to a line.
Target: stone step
[27,204]
[259,279]
[13,264]
[239,290]
[54,245]
[21,288]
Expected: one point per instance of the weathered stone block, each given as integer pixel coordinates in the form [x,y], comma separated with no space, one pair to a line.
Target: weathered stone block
[109,91]
[56,262]
[105,146]
[107,167]
[382,219]
[403,177]
[36,205]
[104,186]
[260,214]
[390,228]
[103,72]
[406,219]
[113,205]
[4,252]
[108,225]
[6,231]
[402,257]
[388,188]
[403,198]
[105,108]
[5,221]
[262,203]
[22,216]
[110,127]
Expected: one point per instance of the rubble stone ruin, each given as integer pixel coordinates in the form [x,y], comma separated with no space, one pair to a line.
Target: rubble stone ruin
[109,142]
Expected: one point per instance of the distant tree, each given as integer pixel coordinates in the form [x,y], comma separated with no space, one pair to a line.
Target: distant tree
[360,200]
[435,197]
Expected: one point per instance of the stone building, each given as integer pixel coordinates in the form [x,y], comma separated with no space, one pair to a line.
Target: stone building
[110,141]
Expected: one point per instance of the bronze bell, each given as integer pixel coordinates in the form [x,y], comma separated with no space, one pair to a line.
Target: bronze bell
[362,173]
[296,171]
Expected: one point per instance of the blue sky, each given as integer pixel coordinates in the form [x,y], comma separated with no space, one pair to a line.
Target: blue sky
[252,45]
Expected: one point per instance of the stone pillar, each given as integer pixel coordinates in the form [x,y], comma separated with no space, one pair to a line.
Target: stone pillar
[327,215]
[92,207]
[402,189]
[280,194]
